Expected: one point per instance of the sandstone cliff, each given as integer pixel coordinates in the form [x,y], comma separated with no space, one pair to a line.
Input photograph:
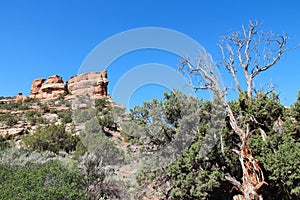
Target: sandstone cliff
[48,89]
[93,83]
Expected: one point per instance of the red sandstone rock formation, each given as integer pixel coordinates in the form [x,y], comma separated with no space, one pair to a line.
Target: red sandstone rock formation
[102,83]
[20,97]
[36,86]
[52,88]
[93,83]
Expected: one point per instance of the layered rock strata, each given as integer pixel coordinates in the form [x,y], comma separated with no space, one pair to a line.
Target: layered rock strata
[93,83]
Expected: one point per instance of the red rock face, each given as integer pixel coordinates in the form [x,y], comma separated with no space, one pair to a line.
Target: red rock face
[54,79]
[36,86]
[94,84]
[52,88]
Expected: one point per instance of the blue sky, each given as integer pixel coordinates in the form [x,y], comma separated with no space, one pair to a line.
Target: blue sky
[42,38]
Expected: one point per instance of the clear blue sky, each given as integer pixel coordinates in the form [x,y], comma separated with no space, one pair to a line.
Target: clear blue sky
[42,38]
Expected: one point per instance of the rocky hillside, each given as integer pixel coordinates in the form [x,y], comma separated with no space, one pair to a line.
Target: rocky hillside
[51,101]
[66,120]
[161,150]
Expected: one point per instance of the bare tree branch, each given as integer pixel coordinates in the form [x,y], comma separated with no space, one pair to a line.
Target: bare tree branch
[281,45]
[252,51]
[234,182]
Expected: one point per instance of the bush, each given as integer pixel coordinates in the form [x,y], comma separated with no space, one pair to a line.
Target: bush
[99,183]
[34,117]
[4,143]
[80,150]
[105,114]
[21,157]
[66,116]
[31,101]
[95,141]
[14,106]
[9,120]
[100,104]
[49,181]
[51,138]
[82,116]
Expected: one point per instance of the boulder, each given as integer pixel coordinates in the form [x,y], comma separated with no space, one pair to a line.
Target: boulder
[20,97]
[15,131]
[12,132]
[51,118]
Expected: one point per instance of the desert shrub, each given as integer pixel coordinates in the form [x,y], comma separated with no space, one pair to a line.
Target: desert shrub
[34,117]
[107,121]
[51,138]
[31,101]
[100,104]
[80,150]
[66,116]
[9,105]
[22,107]
[20,157]
[100,185]
[53,111]
[82,116]
[44,106]
[105,114]
[9,120]
[48,181]
[4,143]
[95,140]
[14,106]
[61,100]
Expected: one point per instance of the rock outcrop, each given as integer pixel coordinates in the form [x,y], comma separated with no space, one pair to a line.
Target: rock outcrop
[19,97]
[36,86]
[94,83]
[48,89]
[53,87]
[102,84]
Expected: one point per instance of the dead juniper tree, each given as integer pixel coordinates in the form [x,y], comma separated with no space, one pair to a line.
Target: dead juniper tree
[246,54]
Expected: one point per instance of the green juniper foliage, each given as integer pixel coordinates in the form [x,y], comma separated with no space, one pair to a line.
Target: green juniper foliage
[51,138]
[48,181]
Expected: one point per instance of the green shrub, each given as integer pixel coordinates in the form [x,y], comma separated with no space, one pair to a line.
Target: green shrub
[100,104]
[105,114]
[51,138]
[20,157]
[49,181]
[31,101]
[10,120]
[80,150]
[66,116]
[34,117]
[95,141]
[4,143]
[53,111]
[82,116]
[14,106]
